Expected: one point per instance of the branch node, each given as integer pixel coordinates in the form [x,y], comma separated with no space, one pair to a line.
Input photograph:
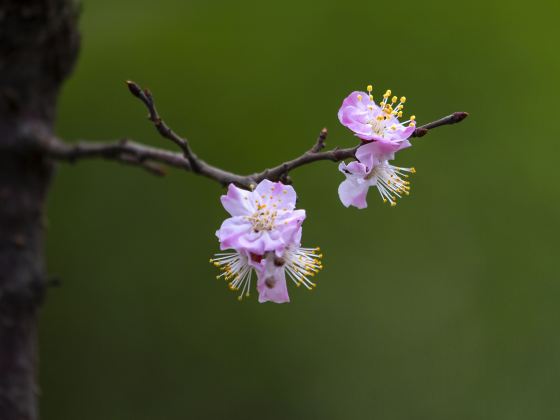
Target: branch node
[320,143]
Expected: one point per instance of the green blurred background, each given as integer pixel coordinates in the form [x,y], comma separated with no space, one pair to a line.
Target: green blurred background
[445,307]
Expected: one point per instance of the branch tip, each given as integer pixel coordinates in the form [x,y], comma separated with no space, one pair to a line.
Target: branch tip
[134,88]
[460,116]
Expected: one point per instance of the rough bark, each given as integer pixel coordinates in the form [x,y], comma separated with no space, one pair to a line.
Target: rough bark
[38,47]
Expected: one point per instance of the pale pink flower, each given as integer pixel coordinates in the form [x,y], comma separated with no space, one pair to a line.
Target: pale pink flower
[298,263]
[265,235]
[377,122]
[264,219]
[389,180]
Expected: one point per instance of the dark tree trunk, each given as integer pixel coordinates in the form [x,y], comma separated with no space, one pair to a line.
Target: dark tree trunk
[38,47]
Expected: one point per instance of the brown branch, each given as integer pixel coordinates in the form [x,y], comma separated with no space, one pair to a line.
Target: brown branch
[454,118]
[151,158]
[163,129]
[124,151]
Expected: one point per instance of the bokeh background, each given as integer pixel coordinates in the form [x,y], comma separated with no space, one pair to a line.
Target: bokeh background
[445,307]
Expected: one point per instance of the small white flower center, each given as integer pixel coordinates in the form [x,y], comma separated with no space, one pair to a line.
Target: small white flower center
[378,126]
[263,219]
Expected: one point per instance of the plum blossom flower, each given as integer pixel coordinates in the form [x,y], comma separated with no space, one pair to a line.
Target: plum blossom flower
[264,219]
[298,263]
[379,123]
[388,180]
[264,236]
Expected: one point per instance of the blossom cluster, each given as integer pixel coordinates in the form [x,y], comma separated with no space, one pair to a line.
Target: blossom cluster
[382,134]
[263,235]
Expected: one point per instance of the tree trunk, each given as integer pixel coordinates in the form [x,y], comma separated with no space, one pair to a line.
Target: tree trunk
[38,47]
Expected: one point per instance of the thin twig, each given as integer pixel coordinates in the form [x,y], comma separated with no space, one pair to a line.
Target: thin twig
[147,157]
[454,118]
[146,97]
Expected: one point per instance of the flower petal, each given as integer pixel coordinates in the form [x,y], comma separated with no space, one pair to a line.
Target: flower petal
[238,202]
[232,231]
[276,193]
[352,193]
[271,283]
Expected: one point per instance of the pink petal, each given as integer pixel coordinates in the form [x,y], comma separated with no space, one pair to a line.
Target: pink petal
[232,230]
[276,193]
[271,282]
[238,202]
[352,193]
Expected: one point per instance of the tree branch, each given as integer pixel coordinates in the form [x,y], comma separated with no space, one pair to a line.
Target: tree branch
[454,118]
[146,97]
[151,158]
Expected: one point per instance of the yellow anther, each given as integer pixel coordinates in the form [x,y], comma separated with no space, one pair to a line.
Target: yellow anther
[370,107]
[412,117]
[371,98]
[369,88]
[403,99]
[412,170]
[394,99]
[393,204]
[399,114]
[359,98]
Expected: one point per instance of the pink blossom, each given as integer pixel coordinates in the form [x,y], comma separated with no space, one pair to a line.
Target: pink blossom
[298,263]
[265,235]
[262,220]
[379,123]
[389,180]
[271,283]
[353,191]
